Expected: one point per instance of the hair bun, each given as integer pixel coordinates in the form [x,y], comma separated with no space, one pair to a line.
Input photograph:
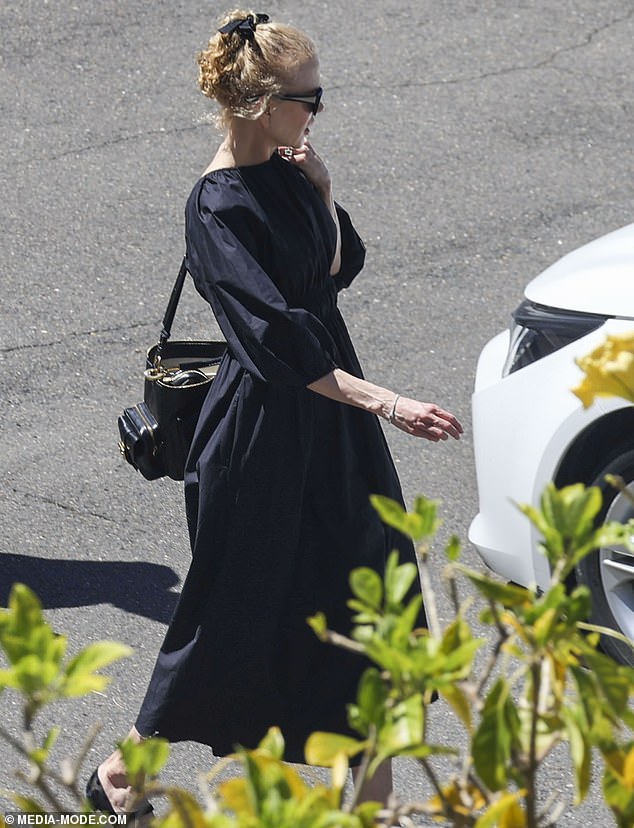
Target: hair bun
[244,26]
[241,79]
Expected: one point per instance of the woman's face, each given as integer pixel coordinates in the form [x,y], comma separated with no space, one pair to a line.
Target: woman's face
[291,120]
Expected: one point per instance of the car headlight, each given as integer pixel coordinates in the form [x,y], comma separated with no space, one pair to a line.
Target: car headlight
[538,331]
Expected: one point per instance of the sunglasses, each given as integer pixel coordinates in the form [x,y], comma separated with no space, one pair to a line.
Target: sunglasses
[313,100]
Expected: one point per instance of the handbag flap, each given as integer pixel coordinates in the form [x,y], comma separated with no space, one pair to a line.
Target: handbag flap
[187,354]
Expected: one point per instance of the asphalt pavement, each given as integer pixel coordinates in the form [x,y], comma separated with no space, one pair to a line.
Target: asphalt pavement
[474,143]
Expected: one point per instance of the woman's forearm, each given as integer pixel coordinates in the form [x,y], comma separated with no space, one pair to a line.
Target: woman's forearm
[420,419]
[342,387]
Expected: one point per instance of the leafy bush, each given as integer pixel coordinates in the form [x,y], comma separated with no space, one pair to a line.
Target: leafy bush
[39,672]
[542,682]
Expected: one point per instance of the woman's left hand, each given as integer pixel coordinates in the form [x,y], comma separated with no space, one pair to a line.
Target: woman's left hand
[311,164]
[425,420]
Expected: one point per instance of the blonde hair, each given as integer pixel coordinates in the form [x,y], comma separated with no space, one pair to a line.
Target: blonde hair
[242,72]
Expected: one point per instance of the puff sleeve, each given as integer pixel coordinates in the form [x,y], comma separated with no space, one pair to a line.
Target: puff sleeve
[276,343]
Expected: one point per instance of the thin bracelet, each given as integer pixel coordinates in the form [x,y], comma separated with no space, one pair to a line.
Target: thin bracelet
[393,411]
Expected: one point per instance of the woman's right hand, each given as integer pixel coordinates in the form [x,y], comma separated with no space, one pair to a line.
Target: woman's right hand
[316,171]
[311,164]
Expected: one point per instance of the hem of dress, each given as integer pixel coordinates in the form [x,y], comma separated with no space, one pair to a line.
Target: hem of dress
[292,757]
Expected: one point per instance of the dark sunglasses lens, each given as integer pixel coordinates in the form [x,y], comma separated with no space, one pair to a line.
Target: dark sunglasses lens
[318,95]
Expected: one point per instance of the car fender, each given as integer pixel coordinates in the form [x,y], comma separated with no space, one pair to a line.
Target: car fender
[523,425]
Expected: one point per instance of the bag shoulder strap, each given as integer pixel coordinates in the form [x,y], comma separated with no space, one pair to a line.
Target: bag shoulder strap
[170,311]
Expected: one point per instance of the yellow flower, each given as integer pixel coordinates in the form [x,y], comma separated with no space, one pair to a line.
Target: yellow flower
[609,370]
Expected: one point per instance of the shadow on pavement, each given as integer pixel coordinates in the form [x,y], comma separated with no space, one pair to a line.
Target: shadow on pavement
[140,588]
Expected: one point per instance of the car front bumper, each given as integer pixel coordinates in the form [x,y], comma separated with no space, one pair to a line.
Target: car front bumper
[523,425]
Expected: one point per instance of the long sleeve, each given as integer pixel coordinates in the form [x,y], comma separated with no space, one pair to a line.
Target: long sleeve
[274,342]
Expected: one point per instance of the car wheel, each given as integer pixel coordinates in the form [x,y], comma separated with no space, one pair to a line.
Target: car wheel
[609,571]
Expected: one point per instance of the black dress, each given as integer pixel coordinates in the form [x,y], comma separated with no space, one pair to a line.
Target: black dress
[278,479]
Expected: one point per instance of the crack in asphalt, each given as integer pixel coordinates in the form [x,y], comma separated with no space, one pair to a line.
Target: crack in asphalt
[546,61]
[509,70]
[66,507]
[112,142]
[77,335]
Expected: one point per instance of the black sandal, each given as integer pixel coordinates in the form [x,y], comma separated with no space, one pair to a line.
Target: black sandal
[96,795]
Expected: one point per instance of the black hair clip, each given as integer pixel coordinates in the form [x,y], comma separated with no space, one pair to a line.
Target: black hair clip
[246,27]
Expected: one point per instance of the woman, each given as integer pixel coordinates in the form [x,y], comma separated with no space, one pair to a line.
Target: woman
[288,447]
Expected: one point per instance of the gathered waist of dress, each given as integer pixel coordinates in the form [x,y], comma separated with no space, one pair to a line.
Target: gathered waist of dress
[320,300]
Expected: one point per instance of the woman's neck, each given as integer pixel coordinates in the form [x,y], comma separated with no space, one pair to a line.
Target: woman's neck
[244,145]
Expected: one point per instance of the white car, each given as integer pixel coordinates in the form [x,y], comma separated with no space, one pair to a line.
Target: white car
[529,428]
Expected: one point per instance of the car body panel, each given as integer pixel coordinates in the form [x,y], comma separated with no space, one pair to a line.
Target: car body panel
[595,278]
[523,425]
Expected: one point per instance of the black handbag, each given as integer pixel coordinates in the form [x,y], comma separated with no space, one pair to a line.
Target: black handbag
[156,434]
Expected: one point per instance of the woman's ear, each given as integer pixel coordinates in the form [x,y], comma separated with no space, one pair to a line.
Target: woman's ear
[264,120]
[264,116]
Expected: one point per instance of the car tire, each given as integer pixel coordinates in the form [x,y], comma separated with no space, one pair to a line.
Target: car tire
[608,571]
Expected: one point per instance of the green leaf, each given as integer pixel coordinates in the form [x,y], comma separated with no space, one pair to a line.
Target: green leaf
[459,662]
[32,675]
[403,728]
[318,624]
[8,679]
[506,812]
[619,797]
[580,750]
[273,743]
[84,683]
[615,534]
[607,631]
[407,620]
[453,548]
[508,595]
[371,700]
[96,656]
[495,736]
[575,509]
[323,748]
[566,520]
[459,703]
[579,605]
[362,614]
[366,584]
[184,813]
[385,656]
[543,625]
[391,512]
[25,609]
[416,525]
[367,812]
[24,632]
[80,677]
[426,510]
[26,804]
[398,579]
[455,634]
[40,754]
[51,737]
[144,758]
[45,644]
[612,679]
[628,718]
